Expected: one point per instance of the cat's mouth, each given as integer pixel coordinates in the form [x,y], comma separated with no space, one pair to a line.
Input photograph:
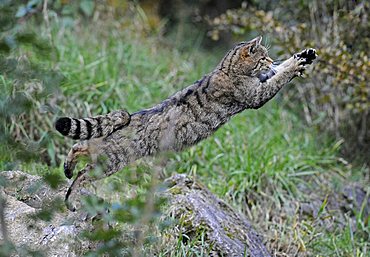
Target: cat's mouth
[269,60]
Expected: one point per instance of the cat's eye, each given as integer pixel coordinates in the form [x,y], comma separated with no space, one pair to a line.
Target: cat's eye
[252,49]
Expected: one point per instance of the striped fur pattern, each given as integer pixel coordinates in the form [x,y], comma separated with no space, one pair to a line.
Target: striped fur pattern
[244,79]
[92,127]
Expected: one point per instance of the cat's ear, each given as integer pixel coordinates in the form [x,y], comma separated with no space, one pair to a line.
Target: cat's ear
[254,42]
[257,40]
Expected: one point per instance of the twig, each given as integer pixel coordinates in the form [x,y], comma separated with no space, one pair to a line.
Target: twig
[46,18]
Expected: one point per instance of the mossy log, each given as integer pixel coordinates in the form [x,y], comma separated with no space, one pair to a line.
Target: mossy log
[227,231]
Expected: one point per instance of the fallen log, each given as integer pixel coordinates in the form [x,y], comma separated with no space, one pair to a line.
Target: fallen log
[227,231]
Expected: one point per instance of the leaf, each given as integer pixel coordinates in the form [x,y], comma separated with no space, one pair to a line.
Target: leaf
[322,207]
[32,4]
[87,7]
[54,180]
[22,11]
[68,22]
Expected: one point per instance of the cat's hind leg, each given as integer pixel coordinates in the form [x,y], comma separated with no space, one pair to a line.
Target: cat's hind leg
[79,149]
[73,194]
[87,175]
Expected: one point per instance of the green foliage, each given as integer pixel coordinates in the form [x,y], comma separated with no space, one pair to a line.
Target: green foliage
[337,95]
[67,9]
[186,246]
[26,86]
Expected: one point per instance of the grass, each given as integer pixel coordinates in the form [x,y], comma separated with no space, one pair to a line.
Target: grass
[267,163]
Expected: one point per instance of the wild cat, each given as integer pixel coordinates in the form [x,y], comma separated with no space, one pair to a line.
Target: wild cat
[244,79]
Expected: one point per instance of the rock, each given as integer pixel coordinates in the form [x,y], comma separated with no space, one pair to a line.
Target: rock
[357,198]
[31,190]
[25,197]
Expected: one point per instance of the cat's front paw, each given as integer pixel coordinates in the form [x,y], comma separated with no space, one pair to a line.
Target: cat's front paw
[303,59]
[306,56]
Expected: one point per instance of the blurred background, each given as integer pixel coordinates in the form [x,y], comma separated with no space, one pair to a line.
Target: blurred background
[84,58]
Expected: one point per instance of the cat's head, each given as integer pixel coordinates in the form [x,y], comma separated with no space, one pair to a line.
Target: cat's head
[246,58]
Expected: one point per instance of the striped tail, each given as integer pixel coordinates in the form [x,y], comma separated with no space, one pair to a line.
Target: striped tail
[93,127]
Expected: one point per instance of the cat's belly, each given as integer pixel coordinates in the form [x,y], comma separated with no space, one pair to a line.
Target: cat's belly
[171,130]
